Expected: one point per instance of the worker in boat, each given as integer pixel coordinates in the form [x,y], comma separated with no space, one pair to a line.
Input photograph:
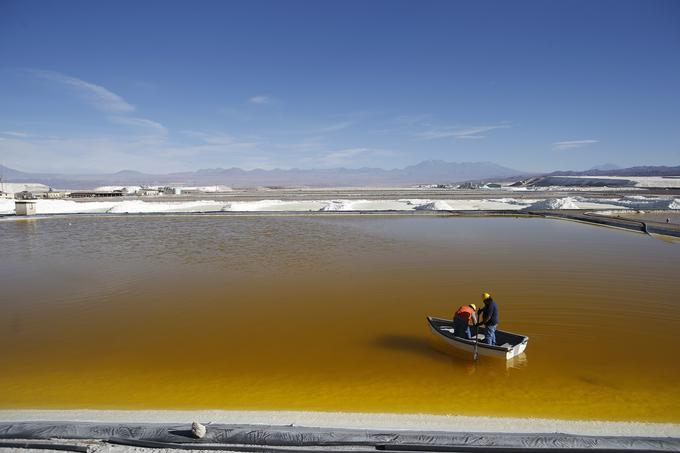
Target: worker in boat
[465,317]
[489,317]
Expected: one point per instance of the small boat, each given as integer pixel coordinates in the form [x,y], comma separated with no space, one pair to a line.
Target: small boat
[508,345]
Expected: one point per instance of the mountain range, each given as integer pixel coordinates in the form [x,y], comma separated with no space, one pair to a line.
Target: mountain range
[630,171]
[426,172]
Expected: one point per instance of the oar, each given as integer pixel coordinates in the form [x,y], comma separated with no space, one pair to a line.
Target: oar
[474,354]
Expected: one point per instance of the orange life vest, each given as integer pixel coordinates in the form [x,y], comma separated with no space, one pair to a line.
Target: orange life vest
[466,312]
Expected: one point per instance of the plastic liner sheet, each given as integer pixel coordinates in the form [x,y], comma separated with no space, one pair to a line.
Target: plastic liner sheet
[294,436]
[43,446]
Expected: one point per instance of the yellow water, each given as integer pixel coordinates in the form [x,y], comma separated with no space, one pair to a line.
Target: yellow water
[329,314]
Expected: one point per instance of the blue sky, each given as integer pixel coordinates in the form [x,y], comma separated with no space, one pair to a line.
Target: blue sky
[161,86]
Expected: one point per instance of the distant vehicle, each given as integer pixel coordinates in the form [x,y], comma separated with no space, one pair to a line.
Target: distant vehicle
[509,345]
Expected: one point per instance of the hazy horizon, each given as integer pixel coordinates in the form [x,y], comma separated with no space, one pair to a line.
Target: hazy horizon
[340,167]
[607,166]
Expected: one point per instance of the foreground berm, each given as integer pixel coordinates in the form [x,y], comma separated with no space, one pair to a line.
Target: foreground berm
[94,437]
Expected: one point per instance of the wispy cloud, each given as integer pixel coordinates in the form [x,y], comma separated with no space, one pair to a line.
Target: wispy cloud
[72,155]
[260,100]
[151,153]
[344,154]
[312,144]
[212,138]
[217,139]
[95,95]
[469,133]
[419,119]
[15,134]
[107,101]
[571,144]
[336,127]
[142,123]
[347,156]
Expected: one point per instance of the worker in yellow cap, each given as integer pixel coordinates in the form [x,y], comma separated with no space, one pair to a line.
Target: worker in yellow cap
[465,317]
[489,317]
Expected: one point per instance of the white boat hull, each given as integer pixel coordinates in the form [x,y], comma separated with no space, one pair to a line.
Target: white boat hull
[444,331]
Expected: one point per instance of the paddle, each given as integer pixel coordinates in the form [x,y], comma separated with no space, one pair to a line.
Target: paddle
[474,354]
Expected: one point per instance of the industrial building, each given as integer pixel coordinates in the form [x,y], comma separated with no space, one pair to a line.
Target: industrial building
[96,194]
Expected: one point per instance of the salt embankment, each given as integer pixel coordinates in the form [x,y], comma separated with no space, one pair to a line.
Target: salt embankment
[198,206]
[555,203]
[634,202]
[353,420]
[636,181]
[437,205]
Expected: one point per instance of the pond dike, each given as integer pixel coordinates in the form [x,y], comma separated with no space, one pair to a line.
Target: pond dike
[98,437]
[585,216]
[648,227]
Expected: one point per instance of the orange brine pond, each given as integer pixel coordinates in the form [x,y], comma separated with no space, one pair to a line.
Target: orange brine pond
[329,313]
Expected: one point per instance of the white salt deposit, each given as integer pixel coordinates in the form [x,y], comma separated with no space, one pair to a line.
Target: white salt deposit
[368,205]
[555,203]
[640,181]
[206,189]
[486,204]
[6,206]
[628,202]
[13,187]
[74,207]
[125,189]
[337,205]
[276,205]
[380,205]
[140,206]
[437,205]
[641,202]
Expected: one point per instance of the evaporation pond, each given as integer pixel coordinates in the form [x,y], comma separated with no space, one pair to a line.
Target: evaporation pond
[328,313]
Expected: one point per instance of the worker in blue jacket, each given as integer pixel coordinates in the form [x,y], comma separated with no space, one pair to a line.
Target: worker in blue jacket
[489,317]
